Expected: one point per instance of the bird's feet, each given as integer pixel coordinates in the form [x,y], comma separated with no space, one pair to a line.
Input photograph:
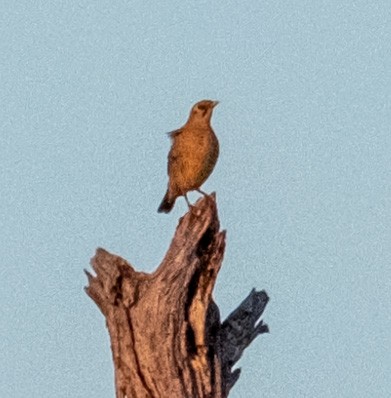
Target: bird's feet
[192,209]
[203,193]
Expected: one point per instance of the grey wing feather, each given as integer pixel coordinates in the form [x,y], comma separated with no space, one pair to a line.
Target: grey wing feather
[175,133]
[171,161]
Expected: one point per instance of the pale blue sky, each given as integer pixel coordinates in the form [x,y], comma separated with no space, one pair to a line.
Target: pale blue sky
[88,91]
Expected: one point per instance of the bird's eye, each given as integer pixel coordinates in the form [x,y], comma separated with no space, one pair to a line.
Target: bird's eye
[202,107]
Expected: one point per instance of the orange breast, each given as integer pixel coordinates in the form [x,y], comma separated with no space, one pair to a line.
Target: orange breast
[193,157]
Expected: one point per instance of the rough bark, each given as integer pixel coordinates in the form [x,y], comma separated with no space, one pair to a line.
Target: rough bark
[166,336]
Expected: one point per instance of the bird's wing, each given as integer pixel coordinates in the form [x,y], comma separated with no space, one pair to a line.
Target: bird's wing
[173,161]
[176,158]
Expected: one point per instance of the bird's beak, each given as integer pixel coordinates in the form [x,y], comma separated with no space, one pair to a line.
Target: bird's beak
[215,103]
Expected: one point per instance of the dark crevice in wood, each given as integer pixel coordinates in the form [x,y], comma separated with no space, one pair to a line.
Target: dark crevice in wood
[190,339]
[118,290]
[192,290]
[205,241]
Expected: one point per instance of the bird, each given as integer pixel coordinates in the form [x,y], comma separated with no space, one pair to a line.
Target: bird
[193,155]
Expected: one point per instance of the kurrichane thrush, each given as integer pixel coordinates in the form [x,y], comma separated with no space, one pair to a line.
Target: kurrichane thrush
[193,155]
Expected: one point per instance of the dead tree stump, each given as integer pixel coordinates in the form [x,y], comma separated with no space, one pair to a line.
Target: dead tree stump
[166,336]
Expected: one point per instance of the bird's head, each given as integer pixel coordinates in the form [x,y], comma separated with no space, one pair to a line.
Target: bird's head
[202,111]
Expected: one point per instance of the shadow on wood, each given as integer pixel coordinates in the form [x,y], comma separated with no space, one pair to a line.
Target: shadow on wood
[166,336]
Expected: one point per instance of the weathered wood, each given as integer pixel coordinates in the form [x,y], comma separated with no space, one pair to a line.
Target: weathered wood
[165,330]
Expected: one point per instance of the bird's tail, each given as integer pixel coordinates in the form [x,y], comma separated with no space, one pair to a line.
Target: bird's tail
[167,204]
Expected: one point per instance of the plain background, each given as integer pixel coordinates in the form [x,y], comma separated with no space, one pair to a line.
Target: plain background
[88,91]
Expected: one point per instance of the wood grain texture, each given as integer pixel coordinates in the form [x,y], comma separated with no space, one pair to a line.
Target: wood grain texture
[166,336]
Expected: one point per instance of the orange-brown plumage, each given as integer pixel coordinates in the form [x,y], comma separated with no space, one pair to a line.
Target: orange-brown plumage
[193,154]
